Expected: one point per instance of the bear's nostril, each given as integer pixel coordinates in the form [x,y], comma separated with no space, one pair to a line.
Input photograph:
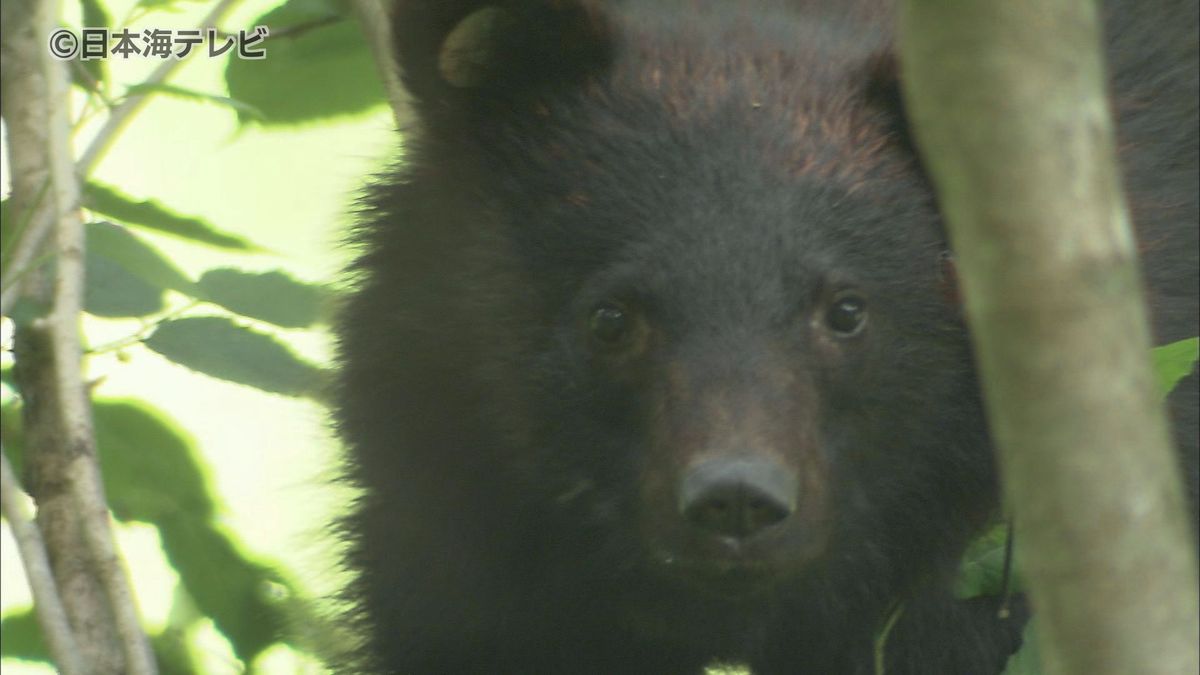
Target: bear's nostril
[737,497]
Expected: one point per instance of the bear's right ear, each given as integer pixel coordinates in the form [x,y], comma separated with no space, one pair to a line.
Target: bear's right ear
[455,51]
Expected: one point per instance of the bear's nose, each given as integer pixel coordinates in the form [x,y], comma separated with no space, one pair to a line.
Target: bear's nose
[737,497]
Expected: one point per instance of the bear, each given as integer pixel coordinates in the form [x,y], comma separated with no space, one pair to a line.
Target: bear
[653,359]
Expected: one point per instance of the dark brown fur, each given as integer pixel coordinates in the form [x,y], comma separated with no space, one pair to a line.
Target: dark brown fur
[720,171]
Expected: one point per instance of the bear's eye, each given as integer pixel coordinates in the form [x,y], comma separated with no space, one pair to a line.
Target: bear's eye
[609,324]
[847,314]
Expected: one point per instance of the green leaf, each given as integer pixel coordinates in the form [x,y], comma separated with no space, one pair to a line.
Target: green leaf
[151,474]
[112,291]
[108,201]
[982,568]
[149,464]
[94,16]
[122,247]
[1027,659]
[273,296]
[151,470]
[1175,361]
[220,348]
[21,638]
[233,591]
[311,43]
[186,94]
[172,653]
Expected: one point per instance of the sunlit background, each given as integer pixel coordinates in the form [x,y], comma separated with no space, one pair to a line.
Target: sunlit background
[269,457]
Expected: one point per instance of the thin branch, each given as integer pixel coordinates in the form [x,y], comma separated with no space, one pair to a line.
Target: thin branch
[48,607]
[294,30]
[32,229]
[144,330]
[377,27]
[64,478]
[33,237]
[122,114]
[82,472]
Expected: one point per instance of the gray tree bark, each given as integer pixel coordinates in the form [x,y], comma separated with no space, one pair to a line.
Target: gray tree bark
[1009,108]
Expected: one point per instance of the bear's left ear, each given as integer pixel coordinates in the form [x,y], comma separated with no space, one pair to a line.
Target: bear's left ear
[884,93]
[455,51]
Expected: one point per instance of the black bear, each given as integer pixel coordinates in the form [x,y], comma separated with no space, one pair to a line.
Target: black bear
[652,361]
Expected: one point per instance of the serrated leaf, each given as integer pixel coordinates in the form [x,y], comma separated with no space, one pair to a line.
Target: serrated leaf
[186,94]
[112,291]
[222,349]
[1175,361]
[273,296]
[311,42]
[21,638]
[108,201]
[227,587]
[137,257]
[151,474]
[150,465]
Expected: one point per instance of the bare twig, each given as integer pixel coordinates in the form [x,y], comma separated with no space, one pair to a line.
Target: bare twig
[51,616]
[61,454]
[377,27]
[26,249]
[33,237]
[296,29]
[121,115]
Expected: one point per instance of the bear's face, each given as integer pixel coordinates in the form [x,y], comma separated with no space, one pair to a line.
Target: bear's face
[721,338]
[730,318]
[723,381]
